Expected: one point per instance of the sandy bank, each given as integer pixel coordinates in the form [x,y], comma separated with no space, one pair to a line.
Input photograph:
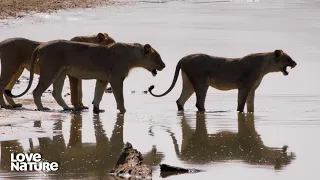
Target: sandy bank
[19,8]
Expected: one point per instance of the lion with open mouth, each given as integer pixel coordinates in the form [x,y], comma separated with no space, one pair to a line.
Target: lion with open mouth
[199,71]
[106,64]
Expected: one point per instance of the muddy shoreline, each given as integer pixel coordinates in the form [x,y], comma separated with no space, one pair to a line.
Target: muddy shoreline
[21,8]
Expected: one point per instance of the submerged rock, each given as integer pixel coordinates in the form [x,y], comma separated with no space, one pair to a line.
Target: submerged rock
[130,164]
[167,170]
[166,167]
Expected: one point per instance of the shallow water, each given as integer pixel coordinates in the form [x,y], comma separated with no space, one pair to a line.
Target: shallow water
[221,142]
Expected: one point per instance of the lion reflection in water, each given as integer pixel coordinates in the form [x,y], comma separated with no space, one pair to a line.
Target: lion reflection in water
[76,156]
[199,147]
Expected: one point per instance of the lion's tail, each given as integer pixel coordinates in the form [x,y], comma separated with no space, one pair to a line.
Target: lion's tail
[33,60]
[178,67]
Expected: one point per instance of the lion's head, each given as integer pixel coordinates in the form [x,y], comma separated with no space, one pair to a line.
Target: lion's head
[283,61]
[152,60]
[105,39]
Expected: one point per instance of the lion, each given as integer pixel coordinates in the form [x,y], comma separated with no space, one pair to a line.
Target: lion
[89,61]
[15,56]
[199,71]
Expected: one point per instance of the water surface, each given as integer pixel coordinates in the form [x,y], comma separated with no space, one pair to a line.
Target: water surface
[223,143]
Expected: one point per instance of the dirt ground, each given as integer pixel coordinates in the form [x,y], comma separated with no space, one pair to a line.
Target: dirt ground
[19,8]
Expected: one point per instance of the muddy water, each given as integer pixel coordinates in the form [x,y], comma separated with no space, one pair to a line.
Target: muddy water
[221,142]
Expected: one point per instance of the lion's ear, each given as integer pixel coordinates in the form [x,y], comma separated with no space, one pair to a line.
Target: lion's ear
[147,49]
[278,53]
[101,36]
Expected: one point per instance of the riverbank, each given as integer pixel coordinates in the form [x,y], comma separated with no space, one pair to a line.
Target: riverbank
[20,8]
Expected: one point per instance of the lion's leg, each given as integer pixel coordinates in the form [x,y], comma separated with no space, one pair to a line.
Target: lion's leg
[74,91]
[200,86]
[7,74]
[187,91]
[36,69]
[98,94]
[10,87]
[37,93]
[47,77]
[80,95]
[242,98]
[57,91]
[117,88]
[250,101]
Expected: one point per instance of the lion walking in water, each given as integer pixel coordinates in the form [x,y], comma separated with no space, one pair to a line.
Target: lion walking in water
[199,71]
[89,61]
[15,54]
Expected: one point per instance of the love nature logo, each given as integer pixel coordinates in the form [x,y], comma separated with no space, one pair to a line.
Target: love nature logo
[31,162]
